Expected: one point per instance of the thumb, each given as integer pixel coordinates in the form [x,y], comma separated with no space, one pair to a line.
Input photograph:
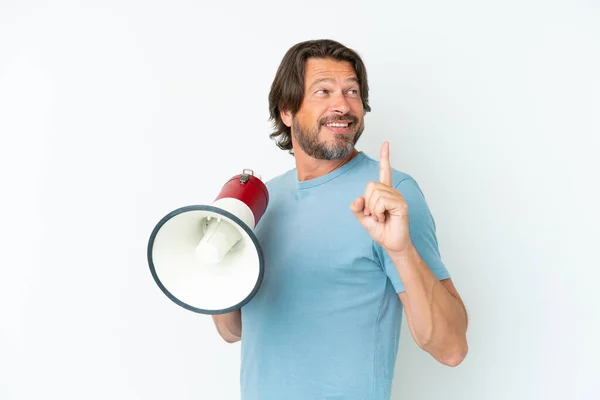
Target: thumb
[358,207]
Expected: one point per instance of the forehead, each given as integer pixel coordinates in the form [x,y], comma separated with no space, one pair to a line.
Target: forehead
[319,68]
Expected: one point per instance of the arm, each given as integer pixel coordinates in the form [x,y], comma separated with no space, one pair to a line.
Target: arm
[229,326]
[434,310]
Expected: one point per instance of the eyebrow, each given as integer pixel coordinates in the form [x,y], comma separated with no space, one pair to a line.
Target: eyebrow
[321,80]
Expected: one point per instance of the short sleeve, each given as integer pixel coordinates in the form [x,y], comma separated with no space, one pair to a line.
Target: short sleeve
[422,234]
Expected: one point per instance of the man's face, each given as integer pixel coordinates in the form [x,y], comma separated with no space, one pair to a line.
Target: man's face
[330,119]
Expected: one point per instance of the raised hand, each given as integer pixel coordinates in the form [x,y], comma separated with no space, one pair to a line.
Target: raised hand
[382,210]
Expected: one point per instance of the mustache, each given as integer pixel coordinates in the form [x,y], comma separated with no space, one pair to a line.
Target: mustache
[339,118]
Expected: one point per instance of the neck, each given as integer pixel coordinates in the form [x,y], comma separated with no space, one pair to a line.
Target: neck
[311,168]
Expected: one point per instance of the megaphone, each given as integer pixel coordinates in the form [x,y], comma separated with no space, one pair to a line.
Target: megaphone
[206,258]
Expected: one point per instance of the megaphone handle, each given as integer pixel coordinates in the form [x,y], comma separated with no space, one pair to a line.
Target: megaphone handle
[246,175]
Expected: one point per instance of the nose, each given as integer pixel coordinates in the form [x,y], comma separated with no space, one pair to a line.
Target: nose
[340,104]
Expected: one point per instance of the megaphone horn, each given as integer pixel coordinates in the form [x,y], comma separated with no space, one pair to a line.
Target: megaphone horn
[206,258]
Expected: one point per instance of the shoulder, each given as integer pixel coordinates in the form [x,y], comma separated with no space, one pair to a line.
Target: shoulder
[279,184]
[279,180]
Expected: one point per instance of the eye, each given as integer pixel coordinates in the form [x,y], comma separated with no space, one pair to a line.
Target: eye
[353,91]
[321,91]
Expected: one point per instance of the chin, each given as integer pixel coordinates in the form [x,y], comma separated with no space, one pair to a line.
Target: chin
[336,152]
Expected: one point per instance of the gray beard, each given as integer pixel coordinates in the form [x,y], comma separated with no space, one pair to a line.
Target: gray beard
[309,142]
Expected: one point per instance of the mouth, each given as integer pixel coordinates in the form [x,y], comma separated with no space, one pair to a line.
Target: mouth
[339,127]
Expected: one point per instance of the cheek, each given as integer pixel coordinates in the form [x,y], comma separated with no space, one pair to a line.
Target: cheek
[310,119]
[357,108]
[312,112]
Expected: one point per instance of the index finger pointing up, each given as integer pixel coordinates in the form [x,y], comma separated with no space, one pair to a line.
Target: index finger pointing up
[385,170]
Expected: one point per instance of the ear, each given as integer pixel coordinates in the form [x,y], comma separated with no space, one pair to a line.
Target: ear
[286,117]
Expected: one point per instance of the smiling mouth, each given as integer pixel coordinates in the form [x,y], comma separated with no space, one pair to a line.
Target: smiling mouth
[345,124]
[339,127]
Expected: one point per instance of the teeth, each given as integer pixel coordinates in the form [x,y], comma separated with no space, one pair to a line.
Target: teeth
[337,125]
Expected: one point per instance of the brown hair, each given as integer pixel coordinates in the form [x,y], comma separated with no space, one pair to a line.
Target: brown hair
[287,89]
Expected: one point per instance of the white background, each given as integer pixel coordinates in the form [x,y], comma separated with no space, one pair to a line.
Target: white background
[112,114]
